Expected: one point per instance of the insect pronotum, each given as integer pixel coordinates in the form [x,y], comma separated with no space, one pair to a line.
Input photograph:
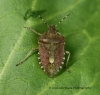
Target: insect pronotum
[51,53]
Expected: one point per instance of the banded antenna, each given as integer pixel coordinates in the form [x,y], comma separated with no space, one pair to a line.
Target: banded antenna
[43,21]
[62,19]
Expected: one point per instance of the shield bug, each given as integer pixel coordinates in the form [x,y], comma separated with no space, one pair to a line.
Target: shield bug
[51,53]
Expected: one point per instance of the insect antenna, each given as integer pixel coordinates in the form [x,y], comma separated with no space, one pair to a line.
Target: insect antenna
[62,19]
[43,21]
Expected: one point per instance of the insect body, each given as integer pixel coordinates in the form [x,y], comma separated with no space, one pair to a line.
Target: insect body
[51,53]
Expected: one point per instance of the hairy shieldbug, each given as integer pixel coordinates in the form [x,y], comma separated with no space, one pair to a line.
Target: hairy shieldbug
[51,53]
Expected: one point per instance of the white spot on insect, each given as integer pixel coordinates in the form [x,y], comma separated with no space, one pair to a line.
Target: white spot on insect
[41,66]
[38,57]
[51,59]
[60,67]
[63,58]
[58,70]
[62,62]
[39,62]
[58,33]
[45,40]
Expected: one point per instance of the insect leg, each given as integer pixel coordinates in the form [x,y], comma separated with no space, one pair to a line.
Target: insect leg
[67,52]
[31,29]
[29,53]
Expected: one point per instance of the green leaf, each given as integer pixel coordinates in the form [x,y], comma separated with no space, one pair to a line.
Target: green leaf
[81,31]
